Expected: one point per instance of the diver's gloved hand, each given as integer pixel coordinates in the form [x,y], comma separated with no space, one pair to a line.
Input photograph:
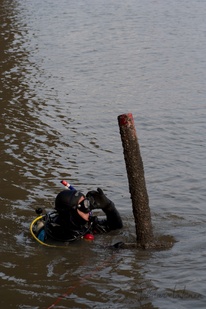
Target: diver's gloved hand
[99,200]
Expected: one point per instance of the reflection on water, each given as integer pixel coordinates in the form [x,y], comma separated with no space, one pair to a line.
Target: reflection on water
[67,72]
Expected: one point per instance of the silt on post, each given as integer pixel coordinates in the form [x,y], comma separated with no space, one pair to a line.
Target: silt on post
[136,179]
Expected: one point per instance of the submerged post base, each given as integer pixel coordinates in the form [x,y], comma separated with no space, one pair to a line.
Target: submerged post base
[164,242]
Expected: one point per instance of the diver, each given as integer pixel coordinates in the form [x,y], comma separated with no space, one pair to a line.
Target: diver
[73,218]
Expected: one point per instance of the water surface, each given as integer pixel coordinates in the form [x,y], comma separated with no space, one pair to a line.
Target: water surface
[67,72]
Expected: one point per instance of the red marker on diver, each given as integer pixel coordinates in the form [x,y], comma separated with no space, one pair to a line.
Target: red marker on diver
[88,236]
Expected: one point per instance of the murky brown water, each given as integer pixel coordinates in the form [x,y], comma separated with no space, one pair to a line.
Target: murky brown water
[67,72]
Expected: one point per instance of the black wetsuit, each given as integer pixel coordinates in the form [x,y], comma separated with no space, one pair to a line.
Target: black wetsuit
[72,227]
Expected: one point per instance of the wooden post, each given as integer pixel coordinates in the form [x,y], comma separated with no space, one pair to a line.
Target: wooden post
[137,185]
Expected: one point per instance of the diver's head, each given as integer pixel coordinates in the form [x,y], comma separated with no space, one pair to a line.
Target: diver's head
[70,202]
